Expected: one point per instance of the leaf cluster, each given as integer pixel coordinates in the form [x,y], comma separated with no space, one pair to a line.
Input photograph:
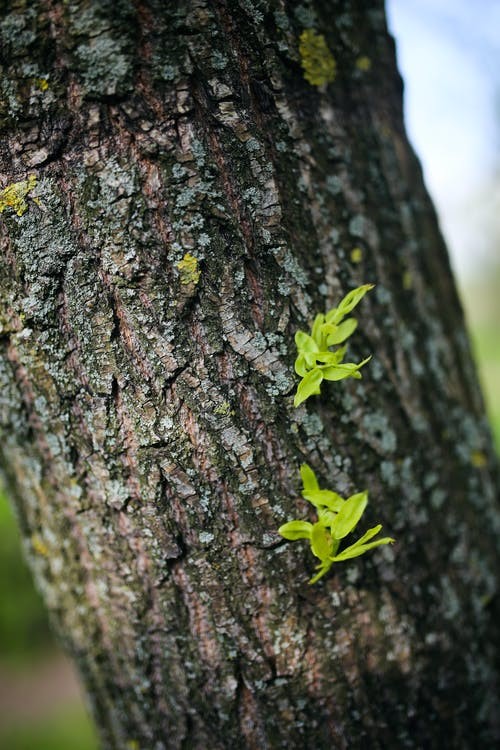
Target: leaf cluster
[337,517]
[316,360]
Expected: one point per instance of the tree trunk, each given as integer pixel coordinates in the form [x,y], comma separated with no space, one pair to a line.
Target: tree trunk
[199,194]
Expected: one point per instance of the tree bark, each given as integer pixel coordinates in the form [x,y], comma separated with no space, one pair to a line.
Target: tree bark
[198,202]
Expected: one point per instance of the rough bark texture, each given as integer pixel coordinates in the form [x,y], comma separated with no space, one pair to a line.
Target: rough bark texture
[147,425]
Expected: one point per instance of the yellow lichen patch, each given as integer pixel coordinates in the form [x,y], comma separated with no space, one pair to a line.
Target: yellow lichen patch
[14,196]
[224,409]
[316,59]
[189,269]
[363,63]
[407,280]
[39,546]
[356,255]
[42,84]
[478,459]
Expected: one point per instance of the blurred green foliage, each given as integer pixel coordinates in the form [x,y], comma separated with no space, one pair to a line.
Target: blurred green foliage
[486,343]
[25,640]
[24,629]
[482,304]
[69,729]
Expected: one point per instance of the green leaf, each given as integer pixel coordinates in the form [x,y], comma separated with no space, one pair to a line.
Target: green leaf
[331,316]
[325,499]
[316,332]
[323,568]
[310,359]
[305,362]
[340,354]
[349,515]
[305,343]
[296,530]
[320,542]
[326,518]
[339,372]
[351,299]
[309,481]
[300,365]
[308,386]
[355,550]
[368,535]
[327,357]
[337,334]
[344,370]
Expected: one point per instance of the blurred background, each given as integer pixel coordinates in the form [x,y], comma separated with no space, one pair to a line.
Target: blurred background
[449,56]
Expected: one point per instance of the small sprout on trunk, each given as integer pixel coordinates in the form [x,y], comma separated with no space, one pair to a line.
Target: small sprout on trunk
[316,361]
[336,519]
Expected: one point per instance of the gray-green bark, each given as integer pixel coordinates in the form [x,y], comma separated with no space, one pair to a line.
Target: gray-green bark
[147,423]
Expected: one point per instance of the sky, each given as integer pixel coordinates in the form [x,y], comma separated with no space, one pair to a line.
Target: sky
[449,56]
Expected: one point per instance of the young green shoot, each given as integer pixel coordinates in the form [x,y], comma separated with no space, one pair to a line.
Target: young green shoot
[337,518]
[316,360]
